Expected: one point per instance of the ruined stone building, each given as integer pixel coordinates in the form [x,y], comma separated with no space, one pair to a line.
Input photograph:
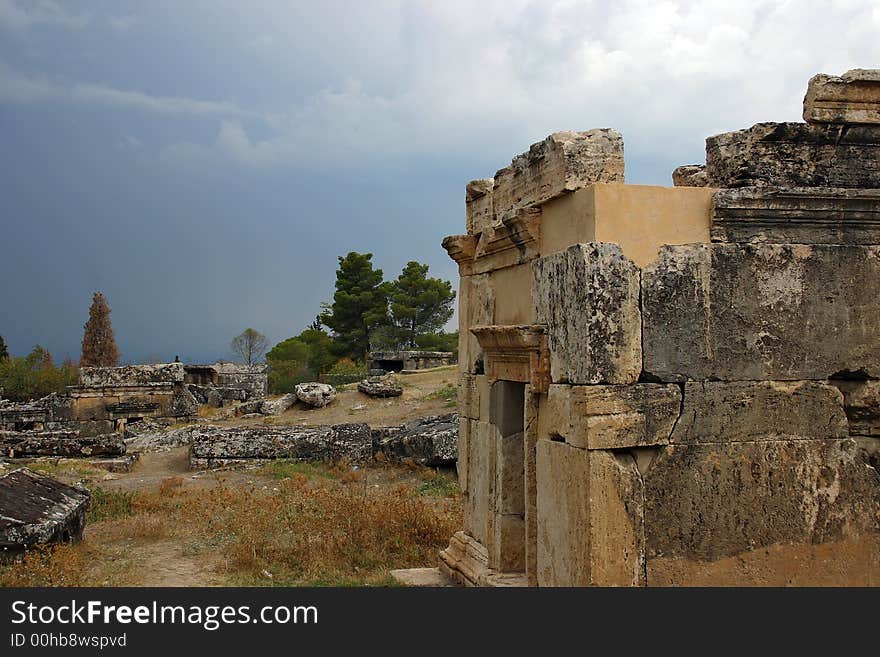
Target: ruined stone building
[676,385]
[399,361]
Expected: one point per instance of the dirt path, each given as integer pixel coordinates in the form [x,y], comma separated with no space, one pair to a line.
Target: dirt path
[164,563]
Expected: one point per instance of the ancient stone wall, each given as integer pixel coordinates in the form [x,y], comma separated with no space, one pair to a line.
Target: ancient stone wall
[686,395]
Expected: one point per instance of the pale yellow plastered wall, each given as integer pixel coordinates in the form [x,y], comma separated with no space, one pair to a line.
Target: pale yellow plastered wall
[640,218]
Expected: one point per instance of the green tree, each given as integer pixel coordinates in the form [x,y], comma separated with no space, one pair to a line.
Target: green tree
[98,343]
[35,376]
[440,341]
[250,345]
[360,304]
[4,352]
[419,305]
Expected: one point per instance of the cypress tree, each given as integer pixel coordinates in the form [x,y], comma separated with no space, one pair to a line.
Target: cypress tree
[98,343]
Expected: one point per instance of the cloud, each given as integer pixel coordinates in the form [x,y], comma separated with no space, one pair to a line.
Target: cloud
[496,78]
[16,87]
[44,12]
[130,142]
[121,23]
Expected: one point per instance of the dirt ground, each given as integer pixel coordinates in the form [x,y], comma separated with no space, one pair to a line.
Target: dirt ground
[432,392]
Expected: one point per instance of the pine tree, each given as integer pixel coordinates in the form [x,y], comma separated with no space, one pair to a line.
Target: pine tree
[98,343]
[419,305]
[360,304]
[4,352]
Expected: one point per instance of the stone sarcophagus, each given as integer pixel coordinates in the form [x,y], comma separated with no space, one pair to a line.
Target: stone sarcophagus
[676,386]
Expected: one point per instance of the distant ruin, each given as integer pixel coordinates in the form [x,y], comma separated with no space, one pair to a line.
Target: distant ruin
[401,361]
[91,418]
[676,386]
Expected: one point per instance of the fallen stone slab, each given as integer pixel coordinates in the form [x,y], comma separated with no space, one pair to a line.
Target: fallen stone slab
[851,98]
[316,395]
[59,443]
[349,441]
[277,406]
[588,297]
[795,155]
[422,577]
[380,386]
[38,510]
[752,312]
[690,175]
[431,441]
[563,162]
[796,215]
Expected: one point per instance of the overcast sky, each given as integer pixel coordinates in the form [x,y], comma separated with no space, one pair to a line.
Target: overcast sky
[204,163]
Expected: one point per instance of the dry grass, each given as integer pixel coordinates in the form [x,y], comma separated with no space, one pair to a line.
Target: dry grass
[303,530]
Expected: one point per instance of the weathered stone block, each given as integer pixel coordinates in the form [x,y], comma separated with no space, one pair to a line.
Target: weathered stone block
[468,396]
[563,162]
[36,509]
[590,517]
[479,516]
[476,308]
[351,441]
[612,417]
[131,375]
[762,513]
[462,464]
[817,215]
[854,97]
[530,440]
[748,411]
[510,475]
[761,312]
[795,155]
[690,175]
[430,441]
[59,443]
[478,205]
[588,296]
[862,406]
[508,547]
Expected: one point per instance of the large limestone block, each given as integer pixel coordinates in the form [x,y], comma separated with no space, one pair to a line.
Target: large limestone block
[854,97]
[479,512]
[478,205]
[588,296]
[747,411]
[590,523]
[795,155]
[793,512]
[131,375]
[612,417]
[862,406]
[476,308]
[801,215]
[761,312]
[530,439]
[563,162]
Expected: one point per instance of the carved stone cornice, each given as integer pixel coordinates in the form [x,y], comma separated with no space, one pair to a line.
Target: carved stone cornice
[513,240]
[461,248]
[515,353]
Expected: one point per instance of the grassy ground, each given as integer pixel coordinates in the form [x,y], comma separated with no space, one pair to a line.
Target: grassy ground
[293,524]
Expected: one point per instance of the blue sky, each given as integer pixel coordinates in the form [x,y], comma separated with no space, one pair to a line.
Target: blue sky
[204,163]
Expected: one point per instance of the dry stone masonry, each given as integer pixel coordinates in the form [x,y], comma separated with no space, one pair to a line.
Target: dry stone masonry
[676,386]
